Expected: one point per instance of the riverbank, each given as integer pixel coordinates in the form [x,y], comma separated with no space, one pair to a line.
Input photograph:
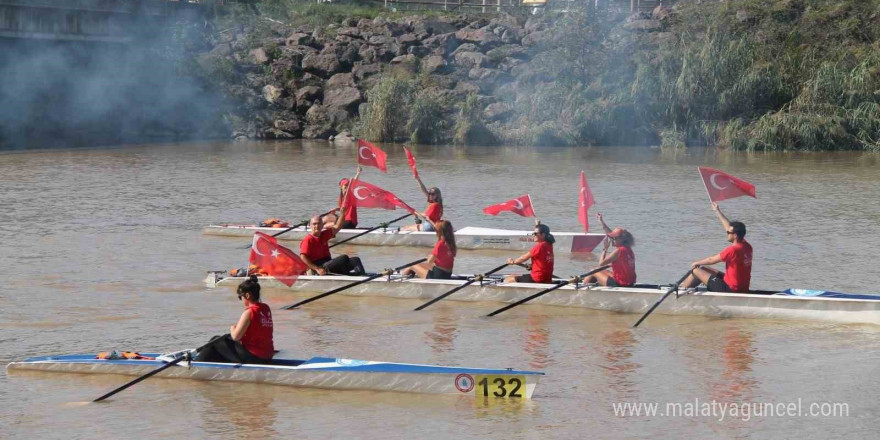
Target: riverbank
[744,74]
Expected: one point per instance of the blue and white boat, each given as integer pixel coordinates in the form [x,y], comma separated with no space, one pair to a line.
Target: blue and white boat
[317,372]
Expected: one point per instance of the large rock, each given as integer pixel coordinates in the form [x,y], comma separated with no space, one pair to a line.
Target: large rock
[407,40]
[259,56]
[342,98]
[538,38]
[324,65]
[363,71]
[508,50]
[299,39]
[481,37]
[496,111]
[419,51]
[353,32]
[340,80]
[381,40]
[308,95]
[467,88]
[471,59]
[272,93]
[433,27]
[318,124]
[442,44]
[434,64]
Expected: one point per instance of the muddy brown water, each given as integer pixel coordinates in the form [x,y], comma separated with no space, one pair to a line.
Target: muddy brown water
[102,249]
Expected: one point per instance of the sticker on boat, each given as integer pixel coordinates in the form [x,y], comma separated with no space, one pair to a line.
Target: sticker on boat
[351,362]
[464,382]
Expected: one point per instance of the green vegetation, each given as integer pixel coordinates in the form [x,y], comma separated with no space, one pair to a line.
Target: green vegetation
[406,107]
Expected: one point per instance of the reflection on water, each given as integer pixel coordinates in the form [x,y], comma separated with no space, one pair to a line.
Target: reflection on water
[102,250]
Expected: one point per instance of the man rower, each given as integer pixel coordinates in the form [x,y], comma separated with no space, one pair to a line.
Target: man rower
[737,260]
[541,256]
[315,251]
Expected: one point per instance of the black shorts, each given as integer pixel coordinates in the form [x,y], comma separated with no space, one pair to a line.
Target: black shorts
[348,224]
[716,283]
[611,282]
[438,274]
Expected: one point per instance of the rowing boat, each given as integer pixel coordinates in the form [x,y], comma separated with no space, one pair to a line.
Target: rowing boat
[317,372]
[465,238]
[843,308]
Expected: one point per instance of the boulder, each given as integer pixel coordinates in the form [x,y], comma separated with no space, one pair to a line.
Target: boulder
[308,94]
[323,65]
[407,40]
[467,88]
[318,124]
[433,64]
[405,62]
[471,59]
[381,40]
[508,50]
[342,98]
[299,39]
[307,79]
[466,47]
[353,32]
[433,27]
[272,93]
[538,38]
[368,54]
[496,112]
[481,37]
[363,71]
[259,56]
[340,80]
[419,51]
[442,44]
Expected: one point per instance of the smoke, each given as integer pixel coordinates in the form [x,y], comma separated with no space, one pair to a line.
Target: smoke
[62,93]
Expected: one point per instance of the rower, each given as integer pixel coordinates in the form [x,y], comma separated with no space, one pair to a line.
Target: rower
[434,211]
[541,256]
[622,259]
[442,258]
[737,260]
[315,251]
[350,219]
[250,339]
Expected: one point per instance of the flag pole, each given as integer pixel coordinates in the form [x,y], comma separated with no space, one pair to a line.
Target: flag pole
[537,220]
[706,187]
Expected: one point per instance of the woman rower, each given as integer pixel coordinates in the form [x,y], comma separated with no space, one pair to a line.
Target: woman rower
[433,212]
[541,256]
[442,258]
[250,339]
[351,217]
[622,259]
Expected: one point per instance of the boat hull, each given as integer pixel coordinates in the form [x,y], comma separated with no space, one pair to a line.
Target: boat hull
[324,373]
[466,238]
[616,299]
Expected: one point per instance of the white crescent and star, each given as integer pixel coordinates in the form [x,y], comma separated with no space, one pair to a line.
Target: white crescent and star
[357,194]
[518,203]
[361,153]
[715,184]
[275,253]
[256,247]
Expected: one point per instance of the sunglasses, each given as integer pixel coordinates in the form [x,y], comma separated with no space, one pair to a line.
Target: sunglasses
[241,295]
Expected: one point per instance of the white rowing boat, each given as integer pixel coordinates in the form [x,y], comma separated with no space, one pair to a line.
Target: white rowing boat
[329,373]
[465,238]
[827,306]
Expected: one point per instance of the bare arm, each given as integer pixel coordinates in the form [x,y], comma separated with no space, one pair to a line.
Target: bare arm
[724,221]
[602,221]
[320,270]
[612,257]
[708,261]
[422,186]
[238,330]
[522,258]
[340,219]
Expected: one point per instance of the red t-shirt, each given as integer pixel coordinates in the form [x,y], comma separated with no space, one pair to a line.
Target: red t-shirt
[434,212]
[738,266]
[542,262]
[257,339]
[624,267]
[352,214]
[316,248]
[443,256]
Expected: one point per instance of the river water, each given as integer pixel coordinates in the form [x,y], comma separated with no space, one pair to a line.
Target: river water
[102,249]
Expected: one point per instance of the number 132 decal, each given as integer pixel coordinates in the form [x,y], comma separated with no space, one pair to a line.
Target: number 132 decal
[500,386]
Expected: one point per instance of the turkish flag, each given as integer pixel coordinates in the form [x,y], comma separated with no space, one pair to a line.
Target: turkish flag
[371,155]
[367,195]
[278,261]
[412,162]
[521,205]
[585,201]
[723,186]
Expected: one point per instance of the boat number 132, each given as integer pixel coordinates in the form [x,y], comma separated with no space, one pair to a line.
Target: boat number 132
[500,386]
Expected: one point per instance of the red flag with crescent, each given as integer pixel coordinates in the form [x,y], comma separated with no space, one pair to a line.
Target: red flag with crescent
[278,261]
[521,205]
[371,156]
[412,162]
[723,186]
[367,195]
[585,201]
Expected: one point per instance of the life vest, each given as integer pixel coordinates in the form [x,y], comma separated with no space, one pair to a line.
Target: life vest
[274,223]
[109,355]
[253,269]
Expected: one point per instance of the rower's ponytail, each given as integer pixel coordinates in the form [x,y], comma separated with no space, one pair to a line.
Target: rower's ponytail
[250,286]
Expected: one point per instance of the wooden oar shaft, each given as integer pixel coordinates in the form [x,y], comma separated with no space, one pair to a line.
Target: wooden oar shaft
[657,304]
[371,230]
[477,278]
[153,373]
[546,291]
[356,283]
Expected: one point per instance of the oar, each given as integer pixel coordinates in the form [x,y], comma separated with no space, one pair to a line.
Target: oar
[302,223]
[356,283]
[546,291]
[156,371]
[475,279]
[656,304]
[381,225]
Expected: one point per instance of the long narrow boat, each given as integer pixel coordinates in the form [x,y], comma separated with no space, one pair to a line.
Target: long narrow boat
[466,238]
[792,304]
[317,372]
